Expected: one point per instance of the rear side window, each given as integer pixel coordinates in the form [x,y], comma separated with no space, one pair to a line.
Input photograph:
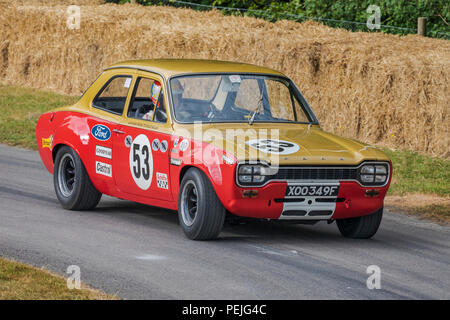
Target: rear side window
[113,95]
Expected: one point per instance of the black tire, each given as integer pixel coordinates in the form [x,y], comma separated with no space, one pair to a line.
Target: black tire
[363,227]
[206,221]
[73,187]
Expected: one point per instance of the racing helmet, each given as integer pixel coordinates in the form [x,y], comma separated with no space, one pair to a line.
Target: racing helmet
[155,90]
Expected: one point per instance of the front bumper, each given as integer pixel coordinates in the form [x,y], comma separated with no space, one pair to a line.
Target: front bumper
[353,200]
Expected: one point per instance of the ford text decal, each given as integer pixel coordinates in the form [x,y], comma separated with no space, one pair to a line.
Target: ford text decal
[101,132]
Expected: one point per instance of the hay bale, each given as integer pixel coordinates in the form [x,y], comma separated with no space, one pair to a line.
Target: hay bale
[377,88]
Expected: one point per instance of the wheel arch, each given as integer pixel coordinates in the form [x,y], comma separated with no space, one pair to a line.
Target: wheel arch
[58,146]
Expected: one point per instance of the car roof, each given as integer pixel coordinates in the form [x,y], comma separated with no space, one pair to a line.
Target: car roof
[172,67]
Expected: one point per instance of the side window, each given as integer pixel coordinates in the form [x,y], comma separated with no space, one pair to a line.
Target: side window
[147,102]
[113,96]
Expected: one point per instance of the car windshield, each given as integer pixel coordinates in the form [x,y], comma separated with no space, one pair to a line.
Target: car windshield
[237,98]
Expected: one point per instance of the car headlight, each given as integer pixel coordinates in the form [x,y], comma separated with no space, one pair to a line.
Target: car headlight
[252,174]
[373,174]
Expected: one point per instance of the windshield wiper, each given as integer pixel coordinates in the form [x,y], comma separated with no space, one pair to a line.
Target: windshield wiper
[258,107]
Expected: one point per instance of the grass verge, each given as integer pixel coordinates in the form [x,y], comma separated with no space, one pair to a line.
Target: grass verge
[413,173]
[19,281]
[423,206]
[20,110]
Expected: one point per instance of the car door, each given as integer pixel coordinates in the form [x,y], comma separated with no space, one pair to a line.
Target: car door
[141,142]
[108,106]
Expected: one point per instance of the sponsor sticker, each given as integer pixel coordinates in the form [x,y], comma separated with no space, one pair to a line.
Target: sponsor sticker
[281,147]
[101,132]
[164,146]
[103,152]
[127,83]
[47,142]
[184,145]
[175,161]
[162,181]
[235,78]
[128,141]
[227,159]
[103,168]
[155,144]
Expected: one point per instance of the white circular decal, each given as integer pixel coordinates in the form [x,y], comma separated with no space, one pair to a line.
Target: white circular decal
[274,146]
[164,145]
[141,162]
[155,144]
[128,141]
[184,145]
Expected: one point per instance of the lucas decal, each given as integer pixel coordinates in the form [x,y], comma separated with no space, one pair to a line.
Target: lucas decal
[273,146]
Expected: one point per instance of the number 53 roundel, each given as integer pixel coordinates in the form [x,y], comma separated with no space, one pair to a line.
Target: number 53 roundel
[141,162]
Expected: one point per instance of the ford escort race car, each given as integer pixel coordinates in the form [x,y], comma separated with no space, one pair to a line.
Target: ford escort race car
[210,139]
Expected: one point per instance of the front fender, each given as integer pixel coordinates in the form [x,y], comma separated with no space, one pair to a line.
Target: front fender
[208,159]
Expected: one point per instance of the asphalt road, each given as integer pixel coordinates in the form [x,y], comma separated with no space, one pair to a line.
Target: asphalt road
[140,252]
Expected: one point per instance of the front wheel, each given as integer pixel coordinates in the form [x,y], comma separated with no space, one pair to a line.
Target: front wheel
[73,187]
[363,227]
[200,212]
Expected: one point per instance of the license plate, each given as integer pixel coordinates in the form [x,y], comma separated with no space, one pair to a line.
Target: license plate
[312,190]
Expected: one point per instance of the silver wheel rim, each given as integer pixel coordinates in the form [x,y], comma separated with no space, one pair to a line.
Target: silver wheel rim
[66,175]
[189,203]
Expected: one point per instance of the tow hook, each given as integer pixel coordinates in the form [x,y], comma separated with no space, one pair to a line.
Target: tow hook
[347,203]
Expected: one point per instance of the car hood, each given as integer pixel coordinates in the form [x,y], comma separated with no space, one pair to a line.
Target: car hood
[298,144]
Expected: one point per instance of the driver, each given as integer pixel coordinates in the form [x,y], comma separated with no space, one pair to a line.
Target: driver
[155,90]
[186,111]
[177,92]
[181,109]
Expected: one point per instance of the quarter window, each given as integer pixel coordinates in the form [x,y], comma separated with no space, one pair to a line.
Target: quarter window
[113,96]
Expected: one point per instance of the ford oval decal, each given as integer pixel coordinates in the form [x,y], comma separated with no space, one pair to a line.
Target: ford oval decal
[101,132]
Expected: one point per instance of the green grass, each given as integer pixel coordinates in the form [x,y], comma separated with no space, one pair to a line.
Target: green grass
[20,110]
[21,107]
[415,173]
[22,282]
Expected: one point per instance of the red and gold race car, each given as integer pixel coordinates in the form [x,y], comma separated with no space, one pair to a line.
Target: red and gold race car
[210,139]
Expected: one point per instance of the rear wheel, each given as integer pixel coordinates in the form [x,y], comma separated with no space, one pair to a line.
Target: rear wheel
[73,187]
[200,212]
[360,227]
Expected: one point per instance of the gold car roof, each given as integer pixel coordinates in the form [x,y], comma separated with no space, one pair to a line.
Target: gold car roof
[172,67]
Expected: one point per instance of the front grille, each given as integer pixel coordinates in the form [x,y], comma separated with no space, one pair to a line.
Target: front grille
[318,173]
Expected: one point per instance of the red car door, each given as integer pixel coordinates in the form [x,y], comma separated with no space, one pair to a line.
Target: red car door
[109,105]
[141,143]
